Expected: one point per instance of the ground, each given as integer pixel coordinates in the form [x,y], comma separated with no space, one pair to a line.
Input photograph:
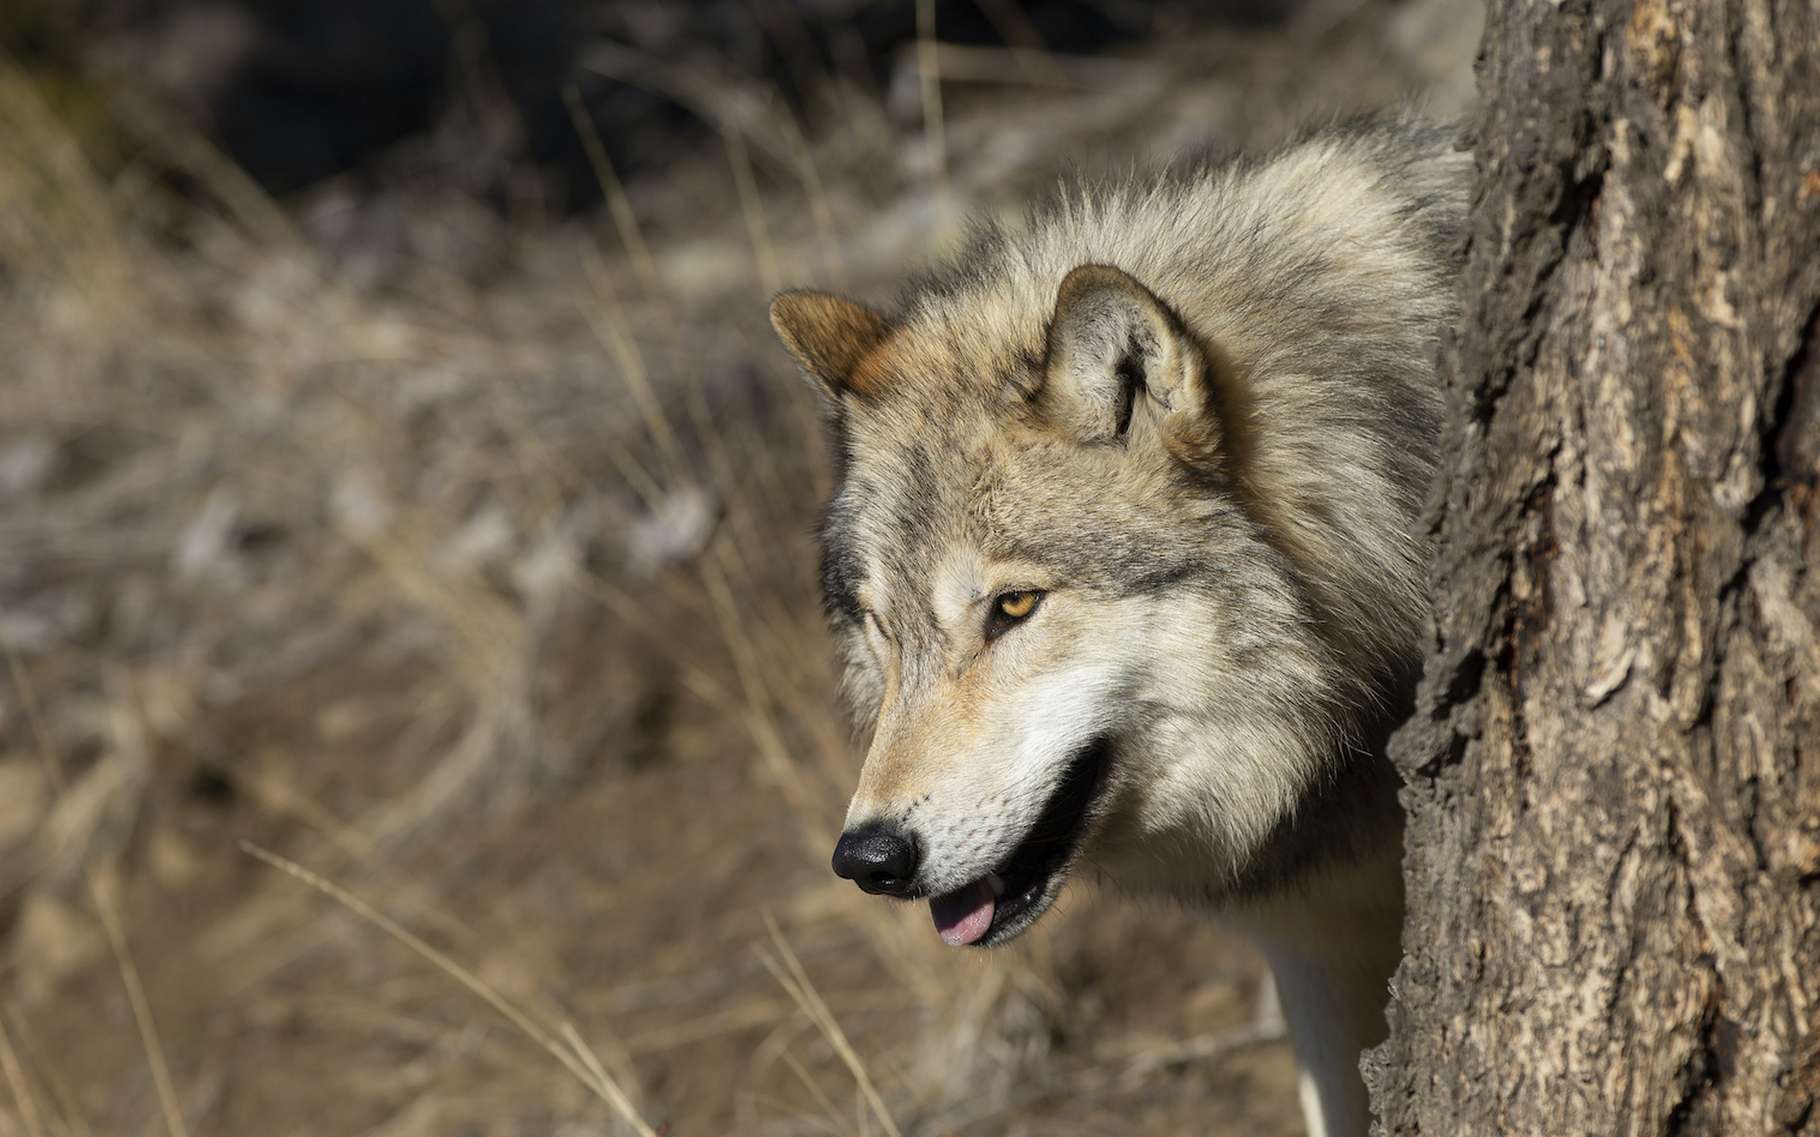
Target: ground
[461,556]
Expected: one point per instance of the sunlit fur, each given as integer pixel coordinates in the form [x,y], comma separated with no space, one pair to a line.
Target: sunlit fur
[1232,578]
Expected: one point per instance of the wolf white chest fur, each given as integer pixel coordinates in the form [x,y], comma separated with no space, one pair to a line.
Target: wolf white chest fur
[1122,559]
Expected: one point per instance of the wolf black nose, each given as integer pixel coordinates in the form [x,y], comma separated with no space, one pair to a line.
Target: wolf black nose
[878,859]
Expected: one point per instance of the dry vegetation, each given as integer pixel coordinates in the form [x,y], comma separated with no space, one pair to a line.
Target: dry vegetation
[466,562]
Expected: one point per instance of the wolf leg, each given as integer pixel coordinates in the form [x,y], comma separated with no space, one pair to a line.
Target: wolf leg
[1333,995]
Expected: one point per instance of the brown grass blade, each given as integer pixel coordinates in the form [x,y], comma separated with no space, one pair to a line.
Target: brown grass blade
[602,1085]
[142,1010]
[791,976]
[27,1103]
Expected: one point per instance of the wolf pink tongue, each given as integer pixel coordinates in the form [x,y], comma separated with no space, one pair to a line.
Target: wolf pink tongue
[964,915]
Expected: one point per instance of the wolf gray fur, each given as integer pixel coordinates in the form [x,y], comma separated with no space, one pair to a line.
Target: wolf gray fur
[1123,558]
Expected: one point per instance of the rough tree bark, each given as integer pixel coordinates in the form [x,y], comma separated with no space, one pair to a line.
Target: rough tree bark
[1613,773]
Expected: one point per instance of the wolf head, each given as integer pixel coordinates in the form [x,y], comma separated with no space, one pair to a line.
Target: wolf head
[1048,598]
[1092,613]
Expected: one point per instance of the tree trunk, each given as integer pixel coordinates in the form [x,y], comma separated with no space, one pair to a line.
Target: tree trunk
[1613,772]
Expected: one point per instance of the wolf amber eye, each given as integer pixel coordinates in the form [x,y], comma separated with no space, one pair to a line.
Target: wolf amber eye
[1017,605]
[1010,609]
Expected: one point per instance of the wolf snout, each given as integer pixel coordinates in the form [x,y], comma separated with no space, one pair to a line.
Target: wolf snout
[879,858]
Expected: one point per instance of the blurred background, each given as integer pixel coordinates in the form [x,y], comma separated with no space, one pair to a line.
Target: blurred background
[399,484]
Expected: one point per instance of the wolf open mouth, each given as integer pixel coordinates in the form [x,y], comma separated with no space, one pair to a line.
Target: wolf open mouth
[998,907]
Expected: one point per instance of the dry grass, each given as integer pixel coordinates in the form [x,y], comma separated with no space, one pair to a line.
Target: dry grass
[467,569]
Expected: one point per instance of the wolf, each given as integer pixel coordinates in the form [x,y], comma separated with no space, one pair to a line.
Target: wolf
[1123,558]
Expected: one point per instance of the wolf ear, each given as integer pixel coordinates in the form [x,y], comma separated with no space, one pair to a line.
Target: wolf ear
[828,335]
[1113,344]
